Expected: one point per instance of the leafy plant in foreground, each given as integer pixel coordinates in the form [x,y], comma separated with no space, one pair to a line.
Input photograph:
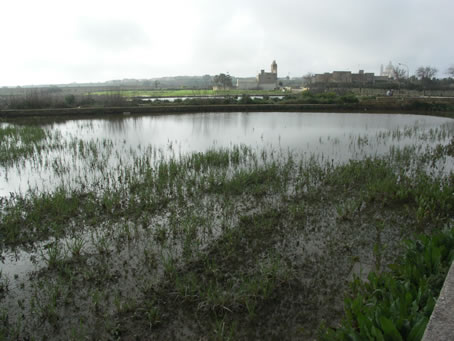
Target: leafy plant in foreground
[396,305]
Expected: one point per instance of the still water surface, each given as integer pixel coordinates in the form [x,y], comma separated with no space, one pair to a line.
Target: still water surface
[183,98]
[327,136]
[301,132]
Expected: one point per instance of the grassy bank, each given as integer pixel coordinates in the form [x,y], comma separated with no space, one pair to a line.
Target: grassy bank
[306,102]
[209,97]
[425,109]
[233,243]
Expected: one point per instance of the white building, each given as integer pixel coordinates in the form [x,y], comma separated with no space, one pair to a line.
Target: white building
[388,71]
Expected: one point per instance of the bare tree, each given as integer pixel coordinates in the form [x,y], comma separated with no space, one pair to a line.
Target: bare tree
[307,78]
[426,73]
[450,71]
[399,73]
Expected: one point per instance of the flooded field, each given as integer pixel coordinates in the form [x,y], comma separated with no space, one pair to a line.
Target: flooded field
[209,226]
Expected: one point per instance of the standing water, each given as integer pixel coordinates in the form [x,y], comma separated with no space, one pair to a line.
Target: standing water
[327,136]
[218,226]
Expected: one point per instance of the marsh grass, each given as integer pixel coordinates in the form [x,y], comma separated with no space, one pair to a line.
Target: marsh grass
[230,243]
[18,142]
[4,284]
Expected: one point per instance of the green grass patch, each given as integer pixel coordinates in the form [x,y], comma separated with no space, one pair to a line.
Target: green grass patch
[376,180]
[257,182]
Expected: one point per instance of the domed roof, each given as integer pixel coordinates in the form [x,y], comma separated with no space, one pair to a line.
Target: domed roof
[389,67]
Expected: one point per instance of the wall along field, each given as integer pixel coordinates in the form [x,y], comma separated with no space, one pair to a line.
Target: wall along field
[224,226]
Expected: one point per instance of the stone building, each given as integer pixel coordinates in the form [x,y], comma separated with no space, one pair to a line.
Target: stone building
[345,77]
[268,80]
[247,83]
[263,81]
[363,77]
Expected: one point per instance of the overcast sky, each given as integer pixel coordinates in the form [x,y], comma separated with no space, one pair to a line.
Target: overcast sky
[50,41]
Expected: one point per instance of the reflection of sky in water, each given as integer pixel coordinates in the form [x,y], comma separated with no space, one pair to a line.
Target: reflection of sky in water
[199,131]
[173,99]
[327,134]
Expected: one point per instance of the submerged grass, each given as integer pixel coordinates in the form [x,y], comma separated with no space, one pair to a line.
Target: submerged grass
[18,142]
[231,243]
[376,181]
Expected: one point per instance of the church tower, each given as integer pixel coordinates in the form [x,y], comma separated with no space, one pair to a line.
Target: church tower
[274,67]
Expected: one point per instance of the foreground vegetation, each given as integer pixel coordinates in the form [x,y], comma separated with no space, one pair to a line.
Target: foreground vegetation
[397,305]
[232,243]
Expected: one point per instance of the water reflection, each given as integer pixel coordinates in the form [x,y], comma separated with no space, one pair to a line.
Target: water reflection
[183,98]
[116,125]
[337,137]
[200,130]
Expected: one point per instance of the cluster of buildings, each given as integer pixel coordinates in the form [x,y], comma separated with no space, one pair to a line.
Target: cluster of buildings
[348,77]
[269,80]
[344,77]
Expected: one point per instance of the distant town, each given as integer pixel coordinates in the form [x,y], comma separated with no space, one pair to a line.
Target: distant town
[394,79]
[391,75]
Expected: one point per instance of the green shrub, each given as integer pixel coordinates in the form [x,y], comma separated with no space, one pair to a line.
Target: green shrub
[397,305]
[70,99]
[350,98]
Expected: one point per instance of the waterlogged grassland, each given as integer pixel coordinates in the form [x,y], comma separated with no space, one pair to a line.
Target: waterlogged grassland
[230,243]
[19,142]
